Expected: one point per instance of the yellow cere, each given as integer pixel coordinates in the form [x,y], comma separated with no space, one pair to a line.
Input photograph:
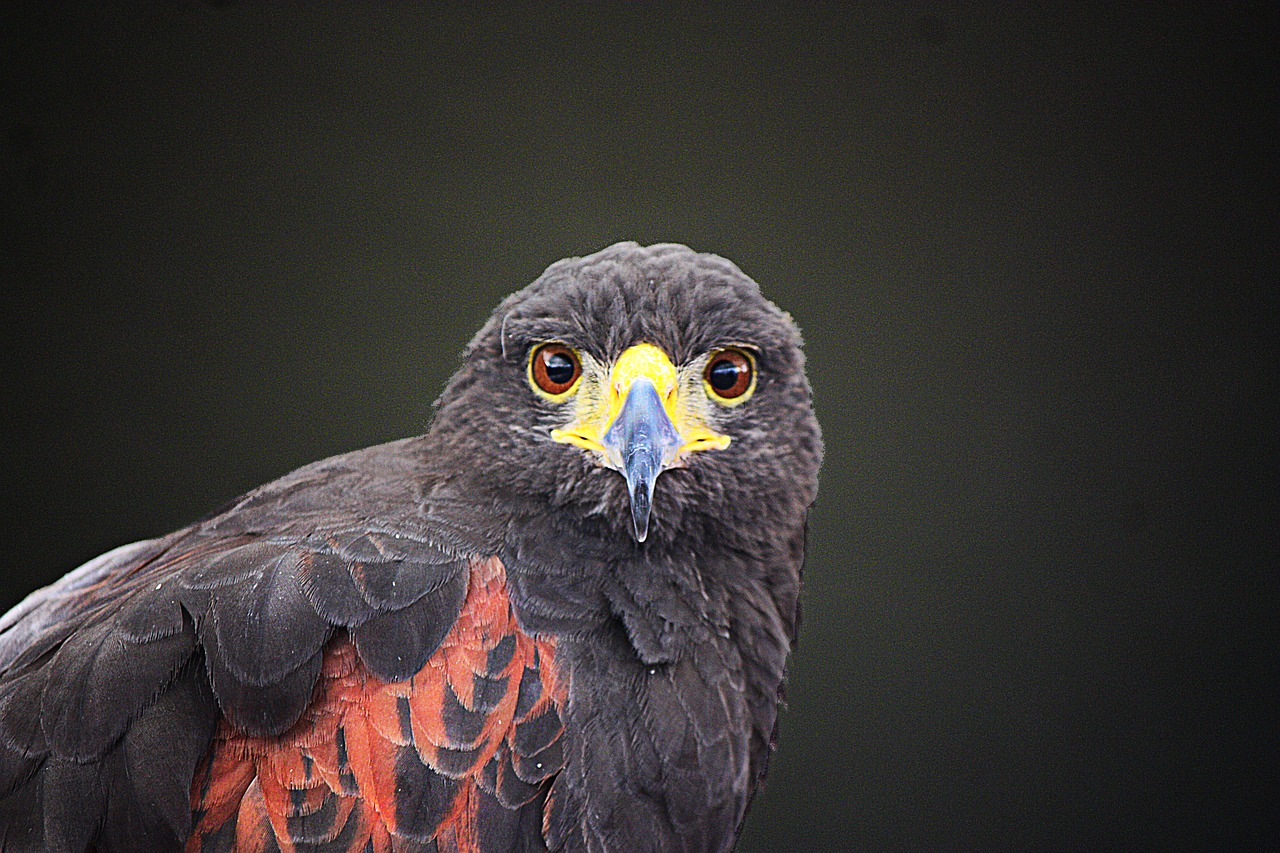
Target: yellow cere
[680,391]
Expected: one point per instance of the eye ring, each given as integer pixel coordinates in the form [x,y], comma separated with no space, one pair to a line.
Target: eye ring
[730,376]
[554,370]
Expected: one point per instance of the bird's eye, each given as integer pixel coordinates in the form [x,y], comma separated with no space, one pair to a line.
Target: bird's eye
[730,375]
[554,369]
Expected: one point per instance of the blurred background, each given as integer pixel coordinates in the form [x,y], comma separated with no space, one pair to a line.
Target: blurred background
[1033,253]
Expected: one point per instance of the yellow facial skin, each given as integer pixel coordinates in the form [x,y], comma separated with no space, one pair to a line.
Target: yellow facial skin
[601,394]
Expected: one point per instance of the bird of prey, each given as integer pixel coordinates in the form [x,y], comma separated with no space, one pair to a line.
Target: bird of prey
[558,620]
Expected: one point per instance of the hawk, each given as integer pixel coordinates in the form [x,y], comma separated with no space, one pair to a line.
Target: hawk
[559,620]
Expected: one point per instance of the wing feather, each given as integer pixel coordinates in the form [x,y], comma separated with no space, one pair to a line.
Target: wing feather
[406,764]
[396,644]
[90,699]
[245,603]
[262,628]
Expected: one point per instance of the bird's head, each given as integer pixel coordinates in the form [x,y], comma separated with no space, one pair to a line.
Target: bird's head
[639,388]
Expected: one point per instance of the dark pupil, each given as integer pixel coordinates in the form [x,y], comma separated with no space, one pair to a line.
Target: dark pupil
[724,374]
[559,368]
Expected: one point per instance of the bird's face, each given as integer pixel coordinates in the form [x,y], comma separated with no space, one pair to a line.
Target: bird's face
[641,414]
[635,371]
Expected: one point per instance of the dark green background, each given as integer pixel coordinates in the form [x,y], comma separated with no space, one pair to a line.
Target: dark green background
[1033,254]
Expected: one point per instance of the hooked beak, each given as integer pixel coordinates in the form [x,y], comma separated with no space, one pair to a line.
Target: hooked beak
[641,422]
[641,442]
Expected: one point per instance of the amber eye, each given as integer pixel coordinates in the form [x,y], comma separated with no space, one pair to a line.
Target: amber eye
[554,369]
[729,374]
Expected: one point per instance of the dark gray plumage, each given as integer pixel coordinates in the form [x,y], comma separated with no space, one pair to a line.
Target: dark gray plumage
[652,669]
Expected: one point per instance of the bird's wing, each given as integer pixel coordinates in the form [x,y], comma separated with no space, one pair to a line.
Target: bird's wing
[310,667]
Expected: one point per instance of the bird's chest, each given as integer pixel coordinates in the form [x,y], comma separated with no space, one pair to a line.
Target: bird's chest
[660,723]
[658,750]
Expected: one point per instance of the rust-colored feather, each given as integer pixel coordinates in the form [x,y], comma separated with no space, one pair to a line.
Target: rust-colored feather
[340,772]
[254,833]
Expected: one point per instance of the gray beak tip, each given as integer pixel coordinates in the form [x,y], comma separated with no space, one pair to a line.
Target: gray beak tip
[642,441]
[641,506]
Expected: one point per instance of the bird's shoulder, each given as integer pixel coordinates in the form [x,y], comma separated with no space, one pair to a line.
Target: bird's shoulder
[230,618]
[352,536]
